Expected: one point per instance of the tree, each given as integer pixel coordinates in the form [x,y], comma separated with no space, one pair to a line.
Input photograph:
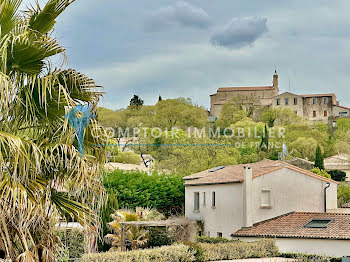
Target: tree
[320,172]
[160,98]
[42,175]
[264,146]
[319,160]
[337,175]
[303,147]
[136,101]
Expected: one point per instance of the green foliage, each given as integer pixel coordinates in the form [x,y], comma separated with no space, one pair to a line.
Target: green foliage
[321,172]
[238,250]
[337,175]
[343,194]
[127,158]
[74,243]
[163,192]
[158,236]
[136,101]
[213,240]
[303,147]
[319,160]
[192,252]
[174,253]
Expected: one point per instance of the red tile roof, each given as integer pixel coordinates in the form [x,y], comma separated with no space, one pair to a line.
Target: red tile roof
[235,173]
[292,225]
[245,88]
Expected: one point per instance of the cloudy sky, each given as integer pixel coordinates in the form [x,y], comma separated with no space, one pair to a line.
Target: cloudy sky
[190,48]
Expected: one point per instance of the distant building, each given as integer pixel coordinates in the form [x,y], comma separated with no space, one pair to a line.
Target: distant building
[262,95]
[339,162]
[312,107]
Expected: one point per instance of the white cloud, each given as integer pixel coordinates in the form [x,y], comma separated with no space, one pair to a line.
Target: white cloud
[240,32]
[179,14]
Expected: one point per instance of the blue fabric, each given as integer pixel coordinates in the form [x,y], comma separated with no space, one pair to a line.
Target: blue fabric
[79,124]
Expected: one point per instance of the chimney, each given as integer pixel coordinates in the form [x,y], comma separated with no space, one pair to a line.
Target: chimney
[247,197]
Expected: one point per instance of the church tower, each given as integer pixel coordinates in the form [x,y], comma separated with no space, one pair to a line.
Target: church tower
[275,83]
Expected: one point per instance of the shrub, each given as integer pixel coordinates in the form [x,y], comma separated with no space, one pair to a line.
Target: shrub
[165,193]
[158,236]
[74,242]
[239,250]
[307,258]
[320,172]
[337,175]
[127,158]
[343,194]
[213,240]
[175,253]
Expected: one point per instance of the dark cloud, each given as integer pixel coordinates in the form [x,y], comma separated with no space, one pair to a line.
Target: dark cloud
[240,32]
[179,14]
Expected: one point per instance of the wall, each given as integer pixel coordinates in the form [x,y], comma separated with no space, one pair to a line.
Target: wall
[298,108]
[226,217]
[319,107]
[341,112]
[323,247]
[291,191]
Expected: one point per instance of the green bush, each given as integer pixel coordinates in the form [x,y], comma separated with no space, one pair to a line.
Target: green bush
[192,252]
[238,250]
[74,243]
[175,253]
[343,194]
[307,258]
[321,172]
[165,193]
[158,236]
[127,158]
[337,175]
[213,240]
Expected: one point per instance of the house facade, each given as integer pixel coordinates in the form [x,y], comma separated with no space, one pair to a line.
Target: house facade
[312,107]
[229,198]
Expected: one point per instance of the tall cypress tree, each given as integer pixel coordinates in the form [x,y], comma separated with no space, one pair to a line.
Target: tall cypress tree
[264,146]
[319,159]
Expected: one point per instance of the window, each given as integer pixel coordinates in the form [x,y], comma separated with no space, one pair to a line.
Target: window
[325,113]
[314,101]
[318,223]
[295,101]
[278,102]
[265,198]
[325,100]
[196,200]
[219,234]
[287,101]
[213,200]
[203,198]
[314,113]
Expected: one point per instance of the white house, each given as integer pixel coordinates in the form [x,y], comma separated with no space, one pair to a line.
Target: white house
[232,198]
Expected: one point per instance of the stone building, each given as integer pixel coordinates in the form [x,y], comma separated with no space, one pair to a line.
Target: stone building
[312,107]
[262,95]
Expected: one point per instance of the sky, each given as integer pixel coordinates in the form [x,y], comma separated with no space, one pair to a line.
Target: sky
[191,48]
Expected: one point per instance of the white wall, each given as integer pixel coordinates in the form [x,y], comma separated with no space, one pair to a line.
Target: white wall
[226,217]
[291,191]
[323,247]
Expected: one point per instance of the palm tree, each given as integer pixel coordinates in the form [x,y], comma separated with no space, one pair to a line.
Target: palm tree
[42,177]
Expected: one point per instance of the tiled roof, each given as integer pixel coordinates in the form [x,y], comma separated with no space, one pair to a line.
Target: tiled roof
[245,88]
[348,108]
[346,205]
[235,173]
[292,225]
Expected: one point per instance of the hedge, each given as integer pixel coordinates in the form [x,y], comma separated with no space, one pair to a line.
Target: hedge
[175,253]
[166,193]
[238,250]
[192,252]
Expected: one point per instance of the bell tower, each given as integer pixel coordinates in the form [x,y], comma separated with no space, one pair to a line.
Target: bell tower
[275,83]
